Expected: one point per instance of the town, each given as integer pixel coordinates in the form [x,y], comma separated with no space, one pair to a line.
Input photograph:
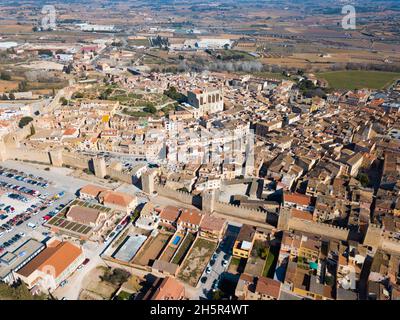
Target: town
[123,177]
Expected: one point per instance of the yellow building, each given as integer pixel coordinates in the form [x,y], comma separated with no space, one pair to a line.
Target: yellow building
[244,242]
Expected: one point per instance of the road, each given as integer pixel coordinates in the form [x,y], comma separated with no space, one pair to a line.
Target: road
[223,252]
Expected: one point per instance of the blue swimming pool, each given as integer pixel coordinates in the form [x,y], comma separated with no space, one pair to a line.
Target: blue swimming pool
[176,240]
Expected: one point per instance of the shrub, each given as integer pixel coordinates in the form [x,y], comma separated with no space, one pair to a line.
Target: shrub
[24,121]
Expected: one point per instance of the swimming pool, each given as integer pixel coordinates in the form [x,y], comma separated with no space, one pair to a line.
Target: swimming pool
[176,240]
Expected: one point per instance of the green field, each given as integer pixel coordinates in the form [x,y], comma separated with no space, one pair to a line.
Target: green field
[359,79]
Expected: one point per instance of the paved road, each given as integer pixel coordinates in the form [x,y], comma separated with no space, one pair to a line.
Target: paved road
[223,252]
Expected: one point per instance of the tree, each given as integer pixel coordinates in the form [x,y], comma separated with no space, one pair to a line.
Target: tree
[5,76]
[22,86]
[11,96]
[217,295]
[24,121]
[17,291]
[363,178]
[150,109]
[33,131]
[175,95]
[116,277]
[63,101]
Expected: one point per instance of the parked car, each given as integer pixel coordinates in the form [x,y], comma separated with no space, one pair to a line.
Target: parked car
[63,283]
[31,225]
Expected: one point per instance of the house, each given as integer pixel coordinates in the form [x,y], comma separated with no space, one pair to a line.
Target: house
[244,241]
[265,289]
[166,289]
[253,288]
[169,216]
[90,192]
[190,220]
[52,266]
[212,227]
[86,216]
[118,200]
[298,201]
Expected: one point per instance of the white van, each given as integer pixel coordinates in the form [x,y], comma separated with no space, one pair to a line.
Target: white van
[31,225]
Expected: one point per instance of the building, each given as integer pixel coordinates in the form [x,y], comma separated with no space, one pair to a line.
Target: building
[253,288]
[11,262]
[169,216]
[90,192]
[166,289]
[190,220]
[206,101]
[118,201]
[212,227]
[263,128]
[52,266]
[86,216]
[298,201]
[244,241]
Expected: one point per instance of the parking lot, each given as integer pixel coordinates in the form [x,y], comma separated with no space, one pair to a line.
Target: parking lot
[212,275]
[25,199]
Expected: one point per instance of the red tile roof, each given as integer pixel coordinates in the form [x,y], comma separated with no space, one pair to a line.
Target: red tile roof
[297,198]
[170,289]
[190,216]
[58,256]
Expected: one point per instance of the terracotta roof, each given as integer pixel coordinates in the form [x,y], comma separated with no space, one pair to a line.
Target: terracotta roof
[298,198]
[190,216]
[170,213]
[268,287]
[92,190]
[300,214]
[83,215]
[210,223]
[69,131]
[116,198]
[58,256]
[170,289]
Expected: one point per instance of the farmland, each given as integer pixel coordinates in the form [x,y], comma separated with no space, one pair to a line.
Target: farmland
[359,79]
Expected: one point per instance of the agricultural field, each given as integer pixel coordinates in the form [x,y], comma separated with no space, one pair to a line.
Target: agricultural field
[351,80]
[6,86]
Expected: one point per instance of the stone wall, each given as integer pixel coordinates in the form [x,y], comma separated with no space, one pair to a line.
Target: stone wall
[75,160]
[177,195]
[119,175]
[240,212]
[25,154]
[321,229]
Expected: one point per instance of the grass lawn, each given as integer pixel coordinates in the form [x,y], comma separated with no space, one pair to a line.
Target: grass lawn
[123,295]
[268,264]
[183,249]
[351,80]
